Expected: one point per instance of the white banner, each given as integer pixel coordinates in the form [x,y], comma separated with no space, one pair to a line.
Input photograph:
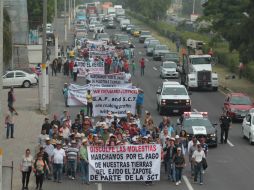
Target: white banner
[96,42]
[89,86]
[85,67]
[115,100]
[124,163]
[118,78]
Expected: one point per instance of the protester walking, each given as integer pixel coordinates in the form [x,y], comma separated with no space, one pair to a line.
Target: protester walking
[139,103]
[75,72]
[197,158]
[133,67]
[142,66]
[58,160]
[9,122]
[11,100]
[89,99]
[72,155]
[170,153]
[65,94]
[26,168]
[54,66]
[59,64]
[179,162]
[84,162]
[225,122]
[40,167]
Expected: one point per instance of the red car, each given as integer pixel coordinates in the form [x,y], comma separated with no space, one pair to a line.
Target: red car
[237,105]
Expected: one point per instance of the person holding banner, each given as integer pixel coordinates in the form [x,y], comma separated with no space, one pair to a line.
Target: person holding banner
[89,99]
[84,164]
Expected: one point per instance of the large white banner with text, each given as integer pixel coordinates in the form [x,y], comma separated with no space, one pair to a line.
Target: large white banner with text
[124,163]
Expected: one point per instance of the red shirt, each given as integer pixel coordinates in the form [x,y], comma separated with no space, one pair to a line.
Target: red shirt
[71,65]
[108,61]
[142,63]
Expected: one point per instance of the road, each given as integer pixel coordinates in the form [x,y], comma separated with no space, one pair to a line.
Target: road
[229,165]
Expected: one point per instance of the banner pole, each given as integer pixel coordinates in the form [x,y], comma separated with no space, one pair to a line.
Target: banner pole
[99,186]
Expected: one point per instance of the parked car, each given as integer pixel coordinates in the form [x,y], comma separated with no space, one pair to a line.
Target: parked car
[159,51]
[19,78]
[237,105]
[168,69]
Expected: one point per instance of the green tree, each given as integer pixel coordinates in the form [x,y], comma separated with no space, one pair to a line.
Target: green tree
[234,20]
[7,38]
[188,7]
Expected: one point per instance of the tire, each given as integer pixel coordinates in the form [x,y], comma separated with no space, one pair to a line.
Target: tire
[250,140]
[215,89]
[26,84]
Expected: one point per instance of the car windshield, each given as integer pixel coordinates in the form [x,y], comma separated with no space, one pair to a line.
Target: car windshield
[240,100]
[145,33]
[147,40]
[174,91]
[201,60]
[161,48]
[169,65]
[189,122]
[123,38]
[171,56]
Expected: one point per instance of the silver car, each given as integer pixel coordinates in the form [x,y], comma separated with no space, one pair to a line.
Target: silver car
[168,69]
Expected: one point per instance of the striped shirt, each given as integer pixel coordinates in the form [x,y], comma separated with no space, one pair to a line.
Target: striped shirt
[72,153]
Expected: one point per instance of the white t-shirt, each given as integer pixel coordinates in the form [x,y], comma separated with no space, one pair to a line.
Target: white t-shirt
[58,156]
[66,133]
[198,155]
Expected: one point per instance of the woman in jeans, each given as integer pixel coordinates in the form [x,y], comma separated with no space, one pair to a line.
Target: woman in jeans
[40,167]
[179,164]
[26,168]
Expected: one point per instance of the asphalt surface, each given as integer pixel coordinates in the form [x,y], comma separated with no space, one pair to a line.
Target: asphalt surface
[230,165]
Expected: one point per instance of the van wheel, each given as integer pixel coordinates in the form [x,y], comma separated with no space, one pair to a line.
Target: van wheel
[26,84]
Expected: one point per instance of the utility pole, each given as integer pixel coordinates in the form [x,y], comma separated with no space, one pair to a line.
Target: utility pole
[193,6]
[43,92]
[56,34]
[65,27]
[1,83]
[74,13]
[55,9]
[69,23]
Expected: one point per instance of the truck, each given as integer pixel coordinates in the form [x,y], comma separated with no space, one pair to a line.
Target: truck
[124,23]
[111,11]
[120,12]
[196,70]
[91,9]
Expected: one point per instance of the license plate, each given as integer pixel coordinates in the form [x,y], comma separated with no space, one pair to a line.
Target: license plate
[175,111]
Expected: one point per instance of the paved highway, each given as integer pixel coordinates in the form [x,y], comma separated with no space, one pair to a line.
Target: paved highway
[229,166]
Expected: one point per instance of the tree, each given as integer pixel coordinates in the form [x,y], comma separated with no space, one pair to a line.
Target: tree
[7,38]
[188,7]
[234,20]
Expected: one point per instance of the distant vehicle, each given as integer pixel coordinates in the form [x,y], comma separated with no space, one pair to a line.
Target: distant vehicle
[99,28]
[102,37]
[159,51]
[147,40]
[143,35]
[19,78]
[120,17]
[129,27]
[171,56]
[248,128]
[150,47]
[91,27]
[237,105]
[198,124]
[124,23]
[172,98]
[111,25]
[168,69]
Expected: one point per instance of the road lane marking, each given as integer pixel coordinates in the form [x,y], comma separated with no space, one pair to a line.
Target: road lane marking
[147,60]
[195,110]
[187,182]
[155,68]
[230,144]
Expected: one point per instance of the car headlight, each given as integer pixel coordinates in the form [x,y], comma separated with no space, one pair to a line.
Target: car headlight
[188,102]
[213,135]
[163,101]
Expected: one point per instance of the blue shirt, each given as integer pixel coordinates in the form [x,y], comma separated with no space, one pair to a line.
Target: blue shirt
[140,99]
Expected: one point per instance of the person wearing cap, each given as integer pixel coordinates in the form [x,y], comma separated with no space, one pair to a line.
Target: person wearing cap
[42,138]
[109,119]
[49,149]
[63,117]
[58,159]
[72,155]
[179,162]
[65,91]
[170,153]
[139,103]
[46,125]
[105,133]
[178,143]
[148,117]
[66,131]
[197,157]
[89,99]
[84,164]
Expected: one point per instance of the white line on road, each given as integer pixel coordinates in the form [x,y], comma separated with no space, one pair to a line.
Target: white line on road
[147,60]
[230,144]
[187,182]
[155,68]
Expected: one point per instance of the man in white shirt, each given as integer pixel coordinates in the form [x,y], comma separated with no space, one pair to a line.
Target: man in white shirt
[197,158]
[58,160]
[66,131]
[49,149]
[42,138]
